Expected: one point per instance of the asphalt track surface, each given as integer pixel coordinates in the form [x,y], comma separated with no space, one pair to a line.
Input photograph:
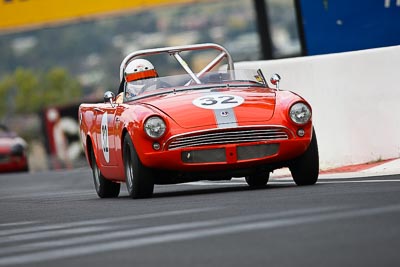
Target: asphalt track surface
[56,219]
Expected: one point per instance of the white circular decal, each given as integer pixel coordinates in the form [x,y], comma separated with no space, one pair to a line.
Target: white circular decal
[104,137]
[218,101]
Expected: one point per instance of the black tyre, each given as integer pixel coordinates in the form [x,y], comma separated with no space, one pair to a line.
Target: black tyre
[257,180]
[305,168]
[139,178]
[104,188]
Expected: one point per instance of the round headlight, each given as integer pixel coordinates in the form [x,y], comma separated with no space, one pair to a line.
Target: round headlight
[300,113]
[154,127]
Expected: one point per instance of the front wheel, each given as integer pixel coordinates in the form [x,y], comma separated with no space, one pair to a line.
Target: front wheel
[257,180]
[139,178]
[104,188]
[305,168]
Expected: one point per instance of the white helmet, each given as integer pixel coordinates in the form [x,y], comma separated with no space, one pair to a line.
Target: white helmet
[139,69]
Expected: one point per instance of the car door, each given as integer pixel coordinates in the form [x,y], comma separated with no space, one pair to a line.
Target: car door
[106,134]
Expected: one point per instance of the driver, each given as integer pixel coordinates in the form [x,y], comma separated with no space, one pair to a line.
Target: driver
[139,75]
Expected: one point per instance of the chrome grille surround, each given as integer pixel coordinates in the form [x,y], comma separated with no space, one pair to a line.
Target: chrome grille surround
[237,135]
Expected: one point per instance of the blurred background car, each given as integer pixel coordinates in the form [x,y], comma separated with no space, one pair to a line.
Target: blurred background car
[13,152]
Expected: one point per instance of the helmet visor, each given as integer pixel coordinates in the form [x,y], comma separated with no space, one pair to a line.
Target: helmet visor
[141,75]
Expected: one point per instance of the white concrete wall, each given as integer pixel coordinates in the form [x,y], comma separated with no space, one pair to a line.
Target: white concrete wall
[355,98]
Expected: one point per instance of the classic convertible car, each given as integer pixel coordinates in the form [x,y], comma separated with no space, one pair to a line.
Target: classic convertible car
[211,122]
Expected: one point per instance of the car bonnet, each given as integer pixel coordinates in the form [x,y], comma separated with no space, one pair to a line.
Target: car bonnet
[217,108]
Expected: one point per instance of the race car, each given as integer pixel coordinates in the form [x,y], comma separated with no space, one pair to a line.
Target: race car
[13,152]
[210,122]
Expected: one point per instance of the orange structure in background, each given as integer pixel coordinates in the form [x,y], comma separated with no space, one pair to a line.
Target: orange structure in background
[26,14]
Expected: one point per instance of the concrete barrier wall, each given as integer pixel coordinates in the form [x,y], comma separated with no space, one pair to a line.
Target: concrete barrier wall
[355,98]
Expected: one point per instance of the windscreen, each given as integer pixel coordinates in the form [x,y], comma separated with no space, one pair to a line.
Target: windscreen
[183,82]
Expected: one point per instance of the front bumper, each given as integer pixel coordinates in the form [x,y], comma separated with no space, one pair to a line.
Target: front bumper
[226,157]
[10,163]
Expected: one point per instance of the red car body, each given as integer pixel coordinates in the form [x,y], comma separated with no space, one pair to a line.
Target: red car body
[13,156]
[219,129]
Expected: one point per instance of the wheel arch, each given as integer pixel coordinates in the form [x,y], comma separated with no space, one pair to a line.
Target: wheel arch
[89,150]
[123,134]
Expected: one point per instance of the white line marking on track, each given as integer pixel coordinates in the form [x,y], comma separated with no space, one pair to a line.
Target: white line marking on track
[362,181]
[42,194]
[50,234]
[100,221]
[110,237]
[196,230]
[3,225]
[290,181]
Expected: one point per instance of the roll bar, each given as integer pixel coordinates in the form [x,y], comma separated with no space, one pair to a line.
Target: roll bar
[175,50]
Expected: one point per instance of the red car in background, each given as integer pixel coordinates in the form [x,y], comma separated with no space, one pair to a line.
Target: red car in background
[13,152]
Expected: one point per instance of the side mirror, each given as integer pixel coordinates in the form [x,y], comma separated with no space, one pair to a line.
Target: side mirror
[109,97]
[275,80]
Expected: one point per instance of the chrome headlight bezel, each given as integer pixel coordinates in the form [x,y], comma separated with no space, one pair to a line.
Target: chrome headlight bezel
[155,127]
[300,113]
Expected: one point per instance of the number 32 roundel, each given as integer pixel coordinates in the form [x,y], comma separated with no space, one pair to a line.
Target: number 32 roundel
[218,101]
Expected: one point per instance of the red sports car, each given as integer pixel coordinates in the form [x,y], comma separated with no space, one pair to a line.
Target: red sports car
[13,154]
[211,122]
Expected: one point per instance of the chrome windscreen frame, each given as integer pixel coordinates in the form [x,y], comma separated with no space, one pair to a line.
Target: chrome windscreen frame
[175,52]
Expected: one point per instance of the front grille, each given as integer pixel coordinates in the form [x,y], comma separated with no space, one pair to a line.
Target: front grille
[233,136]
[4,158]
[204,156]
[256,151]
